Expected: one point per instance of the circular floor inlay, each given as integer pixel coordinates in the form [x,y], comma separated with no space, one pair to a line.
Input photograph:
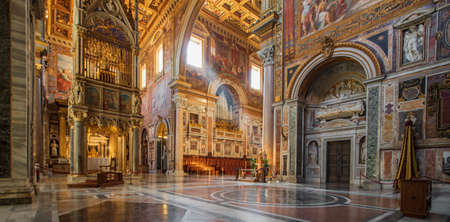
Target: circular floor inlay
[279,197]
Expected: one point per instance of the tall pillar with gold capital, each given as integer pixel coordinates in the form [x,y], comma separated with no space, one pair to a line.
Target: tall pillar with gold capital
[266,55]
[135,145]
[78,154]
[180,103]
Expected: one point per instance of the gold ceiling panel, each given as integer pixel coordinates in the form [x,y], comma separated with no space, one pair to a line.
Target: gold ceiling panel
[238,13]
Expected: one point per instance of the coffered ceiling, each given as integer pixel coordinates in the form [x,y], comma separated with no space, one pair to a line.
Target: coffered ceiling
[241,14]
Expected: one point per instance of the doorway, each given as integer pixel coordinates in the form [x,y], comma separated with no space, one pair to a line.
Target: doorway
[338,162]
[161,149]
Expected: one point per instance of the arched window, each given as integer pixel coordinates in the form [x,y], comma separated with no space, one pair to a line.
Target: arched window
[194,56]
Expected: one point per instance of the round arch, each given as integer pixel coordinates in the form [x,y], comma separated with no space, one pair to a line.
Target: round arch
[234,84]
[353,51]
[187,23]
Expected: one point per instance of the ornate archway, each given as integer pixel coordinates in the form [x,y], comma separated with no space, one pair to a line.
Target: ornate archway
[353,51]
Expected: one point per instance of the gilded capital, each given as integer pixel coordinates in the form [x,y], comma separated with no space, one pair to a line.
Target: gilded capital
[266,55]
[77,115]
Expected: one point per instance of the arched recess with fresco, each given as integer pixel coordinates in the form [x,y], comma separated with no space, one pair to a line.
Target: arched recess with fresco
[330,93]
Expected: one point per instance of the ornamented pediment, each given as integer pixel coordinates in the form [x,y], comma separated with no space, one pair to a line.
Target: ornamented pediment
[413,18]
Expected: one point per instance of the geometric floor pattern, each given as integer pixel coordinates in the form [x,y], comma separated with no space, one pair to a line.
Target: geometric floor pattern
[194,198]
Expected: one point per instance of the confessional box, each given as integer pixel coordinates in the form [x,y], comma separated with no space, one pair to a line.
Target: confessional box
[415,197]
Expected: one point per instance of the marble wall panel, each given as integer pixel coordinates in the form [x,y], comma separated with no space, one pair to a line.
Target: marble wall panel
[5,89]
[372,134]
[292,138]
[438,101]
[443,48]
[430,161]
[388,113]
[387,165]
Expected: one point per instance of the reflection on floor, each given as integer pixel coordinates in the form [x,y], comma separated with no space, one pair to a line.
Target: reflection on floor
[167,198]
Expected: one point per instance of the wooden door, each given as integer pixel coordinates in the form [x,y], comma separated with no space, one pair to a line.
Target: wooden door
[338,162]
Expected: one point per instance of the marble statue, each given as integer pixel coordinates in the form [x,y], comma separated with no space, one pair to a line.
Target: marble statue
[413,43]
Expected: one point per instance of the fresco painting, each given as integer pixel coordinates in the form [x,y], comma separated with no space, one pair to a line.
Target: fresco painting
[110,101]
[227,57]
[93,97]
[125,103]
[64,73]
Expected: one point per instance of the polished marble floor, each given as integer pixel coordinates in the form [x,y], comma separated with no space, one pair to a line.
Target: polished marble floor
[198,199]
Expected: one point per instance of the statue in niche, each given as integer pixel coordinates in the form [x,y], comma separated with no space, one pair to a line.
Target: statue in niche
[413,39]
[54,148]
[362,151]
[313,154]
[136,103]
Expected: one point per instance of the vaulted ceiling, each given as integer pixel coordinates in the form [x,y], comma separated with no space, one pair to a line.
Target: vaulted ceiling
[239,14]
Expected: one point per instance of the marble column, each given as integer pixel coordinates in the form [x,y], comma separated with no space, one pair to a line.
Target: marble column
[373,126]
[295,138]
[78,157]
[266,55]
[135,147]
[180,103]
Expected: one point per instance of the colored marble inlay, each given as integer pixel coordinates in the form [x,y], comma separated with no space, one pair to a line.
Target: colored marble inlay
[5,82]
[292,138]
[372,134]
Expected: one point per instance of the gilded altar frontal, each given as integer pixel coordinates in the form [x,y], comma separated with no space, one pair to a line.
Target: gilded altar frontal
[225,110]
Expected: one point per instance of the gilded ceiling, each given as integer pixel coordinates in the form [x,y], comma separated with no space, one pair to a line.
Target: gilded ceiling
[238,13]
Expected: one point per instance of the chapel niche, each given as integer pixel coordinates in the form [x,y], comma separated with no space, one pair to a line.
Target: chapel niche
[336,93]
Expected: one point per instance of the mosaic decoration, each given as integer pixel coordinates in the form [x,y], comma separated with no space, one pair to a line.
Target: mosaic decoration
[382,40]
[93,97]
[444,34]
[372,133]
[438,106]
[340,19]
[110,100]
[411,89]
[125,103]
[417,119]
[292,138]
